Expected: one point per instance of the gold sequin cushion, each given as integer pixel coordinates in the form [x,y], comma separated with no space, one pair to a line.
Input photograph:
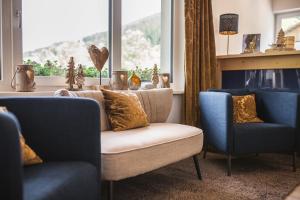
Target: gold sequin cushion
[29,157]
[124,110]
[244,109]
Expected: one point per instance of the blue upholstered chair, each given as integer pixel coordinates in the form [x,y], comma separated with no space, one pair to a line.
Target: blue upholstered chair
[277,134]
[297,91]
[65,134]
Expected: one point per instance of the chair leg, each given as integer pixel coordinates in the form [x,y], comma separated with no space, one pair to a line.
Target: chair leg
[196,162]
[110,190]
[229,165]
[204,149]
[204,152]
[294,161]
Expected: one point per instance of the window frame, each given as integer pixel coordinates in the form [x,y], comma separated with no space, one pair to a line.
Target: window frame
[114,46]
[12,45]
[116,36]
[280,16]
[1,42]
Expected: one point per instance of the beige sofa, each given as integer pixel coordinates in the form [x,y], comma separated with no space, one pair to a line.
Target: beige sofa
[294,195]
[133,152]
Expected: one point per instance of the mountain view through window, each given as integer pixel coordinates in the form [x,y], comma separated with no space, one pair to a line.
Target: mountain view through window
[141,35]
[55,30]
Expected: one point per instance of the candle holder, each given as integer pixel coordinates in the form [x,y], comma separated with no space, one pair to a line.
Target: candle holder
[119,80]
[164,80]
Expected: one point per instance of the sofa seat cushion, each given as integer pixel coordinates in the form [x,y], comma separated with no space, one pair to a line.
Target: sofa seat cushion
[60,180]
[263,138]
[133,152]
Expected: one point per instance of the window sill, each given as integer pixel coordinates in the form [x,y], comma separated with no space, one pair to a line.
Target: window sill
[59,81]
[51,92]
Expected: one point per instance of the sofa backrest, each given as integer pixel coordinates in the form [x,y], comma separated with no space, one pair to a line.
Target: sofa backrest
[157,103]
[233,92]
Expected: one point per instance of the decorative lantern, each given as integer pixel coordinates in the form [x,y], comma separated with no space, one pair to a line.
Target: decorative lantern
[134,82]
[119,80]
[164,80]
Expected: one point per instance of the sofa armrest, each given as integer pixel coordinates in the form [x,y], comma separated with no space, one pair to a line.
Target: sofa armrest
[59,128]
[278,107]
[216,119]
[10,155]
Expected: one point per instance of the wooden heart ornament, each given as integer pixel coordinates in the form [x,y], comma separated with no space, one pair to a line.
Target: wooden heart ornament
[98,56]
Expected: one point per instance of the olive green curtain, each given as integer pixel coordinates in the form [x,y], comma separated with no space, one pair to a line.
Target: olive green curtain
[200,56]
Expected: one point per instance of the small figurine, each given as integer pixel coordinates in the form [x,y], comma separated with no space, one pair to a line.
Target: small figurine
[80,77]
[280,43]
[70,76]
[155,77]
[252,45]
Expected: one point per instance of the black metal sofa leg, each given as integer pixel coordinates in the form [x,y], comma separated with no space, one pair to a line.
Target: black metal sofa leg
[294,161]
[205,147]
[204,152]
[196,162]
[229,165]
[110,190]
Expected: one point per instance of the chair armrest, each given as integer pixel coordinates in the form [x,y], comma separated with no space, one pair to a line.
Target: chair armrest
[278,107]
[10,156]
[216,119]
[59,128]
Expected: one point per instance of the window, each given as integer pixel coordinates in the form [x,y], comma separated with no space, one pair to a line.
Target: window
[144,40]
[136,32]
[290,23]
[55,30]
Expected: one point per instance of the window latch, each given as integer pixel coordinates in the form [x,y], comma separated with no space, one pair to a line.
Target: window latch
[19,16]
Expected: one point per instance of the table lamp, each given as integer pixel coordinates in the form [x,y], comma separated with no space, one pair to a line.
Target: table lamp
[229,24]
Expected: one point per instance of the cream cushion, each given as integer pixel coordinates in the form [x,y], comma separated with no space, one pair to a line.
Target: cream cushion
[132,152]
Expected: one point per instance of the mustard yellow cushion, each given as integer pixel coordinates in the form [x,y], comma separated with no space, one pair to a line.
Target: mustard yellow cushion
[244,109]
[29,157]
[124,110]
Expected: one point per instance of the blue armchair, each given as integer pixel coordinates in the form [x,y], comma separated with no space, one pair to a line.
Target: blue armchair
[276,135]
[64,132]
[297,91]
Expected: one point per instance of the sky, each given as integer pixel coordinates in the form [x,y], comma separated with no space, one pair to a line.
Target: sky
[48,21]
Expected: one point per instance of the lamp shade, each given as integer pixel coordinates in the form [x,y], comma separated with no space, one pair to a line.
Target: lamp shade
[229,24]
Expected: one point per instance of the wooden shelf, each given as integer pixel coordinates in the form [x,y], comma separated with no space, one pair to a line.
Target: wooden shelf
[260,54]
[257,61]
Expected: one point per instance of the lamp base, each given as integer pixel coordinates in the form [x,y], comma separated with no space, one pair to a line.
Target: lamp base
[227,44]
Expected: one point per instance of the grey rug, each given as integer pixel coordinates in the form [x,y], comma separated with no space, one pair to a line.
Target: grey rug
[267,176]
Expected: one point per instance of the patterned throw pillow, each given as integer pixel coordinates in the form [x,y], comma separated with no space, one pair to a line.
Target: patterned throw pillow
[29,157]
[244,109]
[124,110]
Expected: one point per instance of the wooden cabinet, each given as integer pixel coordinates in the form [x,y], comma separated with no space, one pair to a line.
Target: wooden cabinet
[256,61]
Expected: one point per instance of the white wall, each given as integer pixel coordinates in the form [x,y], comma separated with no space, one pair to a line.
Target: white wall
[285,5]
[255,16]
